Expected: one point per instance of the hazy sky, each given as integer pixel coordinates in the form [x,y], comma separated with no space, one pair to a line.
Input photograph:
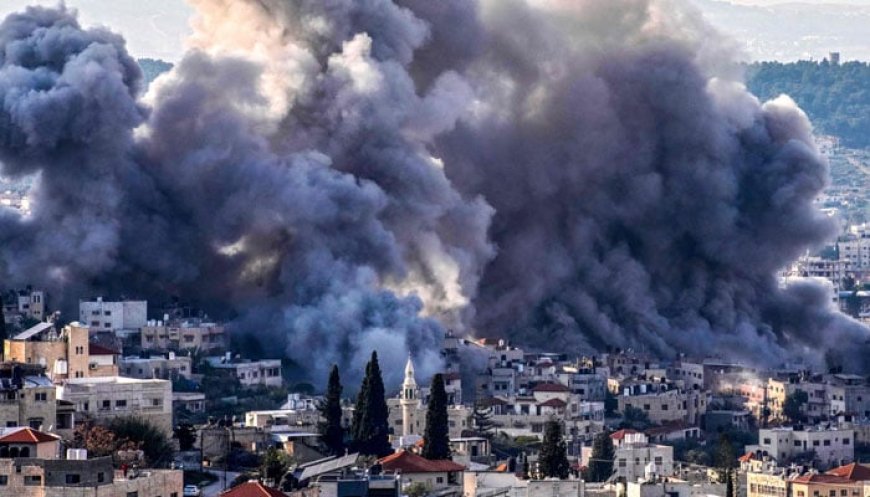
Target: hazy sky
[768,29]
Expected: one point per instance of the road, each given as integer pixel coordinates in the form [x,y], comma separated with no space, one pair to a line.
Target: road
[217,487]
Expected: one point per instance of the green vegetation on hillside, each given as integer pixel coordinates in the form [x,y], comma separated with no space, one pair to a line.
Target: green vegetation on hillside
[836,97]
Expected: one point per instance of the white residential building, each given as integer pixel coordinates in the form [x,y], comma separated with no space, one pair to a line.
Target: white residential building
[634,454]
[115,396]
[250,373]
[166,367]
[832,447]
[100,315]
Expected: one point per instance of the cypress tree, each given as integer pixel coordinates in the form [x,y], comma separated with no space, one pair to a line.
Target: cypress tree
[370,420]
[553,460]
[725,461]
[482,418]
[436,438]
[3,332]
[601,461]
[331,431]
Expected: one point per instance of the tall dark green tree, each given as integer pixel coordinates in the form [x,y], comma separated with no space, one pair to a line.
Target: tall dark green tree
[3,333]
[726,462]
[436,437]
[185,433]
[482,419]
[371,435]
[601,460]
[331,431]
[553,459]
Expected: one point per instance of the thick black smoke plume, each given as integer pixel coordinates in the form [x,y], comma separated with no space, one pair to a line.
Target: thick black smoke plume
[337,176]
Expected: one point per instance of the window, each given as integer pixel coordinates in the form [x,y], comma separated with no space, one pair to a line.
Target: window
[846,441]
[32,480]
[120,404]
[107,404]
[73,478]
[4,480]
[40,396]
[132,494]
[95,324]
[439,479]
[101,477]
[826,443]
[95,313]
[621,463]
[815,443]
[155,402]
[797,443]
[664,407]
[844,492]
[646,407]
[107,313]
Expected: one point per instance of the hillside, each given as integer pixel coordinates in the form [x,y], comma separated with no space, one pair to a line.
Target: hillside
[835,96]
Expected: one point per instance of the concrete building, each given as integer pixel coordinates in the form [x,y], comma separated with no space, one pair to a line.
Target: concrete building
[31,477]
[851,480]
[31,304]
[265,372]
[634,453]
[664,403]
[830,447]
[26,442]
[165,367]
[111,397]
[192,402]
[193,334]
[673,487]
[64,354]
[100,315]
[490,483]
[27,398]
[435,475]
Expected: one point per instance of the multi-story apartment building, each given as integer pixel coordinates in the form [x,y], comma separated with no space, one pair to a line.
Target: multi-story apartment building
[850,480]
[166,367]
[664,403]
[116,396]
[266,372]
[101,315]
[183,335]
[634,453]
[65,354]
[830,447]
[27,398]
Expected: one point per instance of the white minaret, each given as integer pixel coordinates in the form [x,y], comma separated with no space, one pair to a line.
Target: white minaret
[409,397]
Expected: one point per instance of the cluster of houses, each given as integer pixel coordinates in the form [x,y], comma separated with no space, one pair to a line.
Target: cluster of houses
[114,361]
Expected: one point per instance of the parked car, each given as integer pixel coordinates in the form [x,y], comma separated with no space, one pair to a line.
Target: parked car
[192,491]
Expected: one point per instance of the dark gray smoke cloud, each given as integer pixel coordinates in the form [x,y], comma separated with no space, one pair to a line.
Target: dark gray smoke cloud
[342,176]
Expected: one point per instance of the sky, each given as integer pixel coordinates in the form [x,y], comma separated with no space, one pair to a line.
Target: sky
[768,29]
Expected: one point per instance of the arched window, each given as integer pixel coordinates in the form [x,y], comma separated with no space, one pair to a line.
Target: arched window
[13,452]
[25,452]
[4,452]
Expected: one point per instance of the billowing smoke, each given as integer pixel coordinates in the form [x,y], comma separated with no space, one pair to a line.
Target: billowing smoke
[347,175]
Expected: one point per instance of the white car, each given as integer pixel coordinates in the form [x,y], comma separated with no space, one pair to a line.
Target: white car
[192,491]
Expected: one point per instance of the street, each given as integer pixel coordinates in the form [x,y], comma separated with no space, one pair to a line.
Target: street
[217,487]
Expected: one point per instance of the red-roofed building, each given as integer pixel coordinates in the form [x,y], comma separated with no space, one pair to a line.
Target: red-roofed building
[252,489]
[852,472]
[552,407]
[416,469]
[102,360]
[27,442]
